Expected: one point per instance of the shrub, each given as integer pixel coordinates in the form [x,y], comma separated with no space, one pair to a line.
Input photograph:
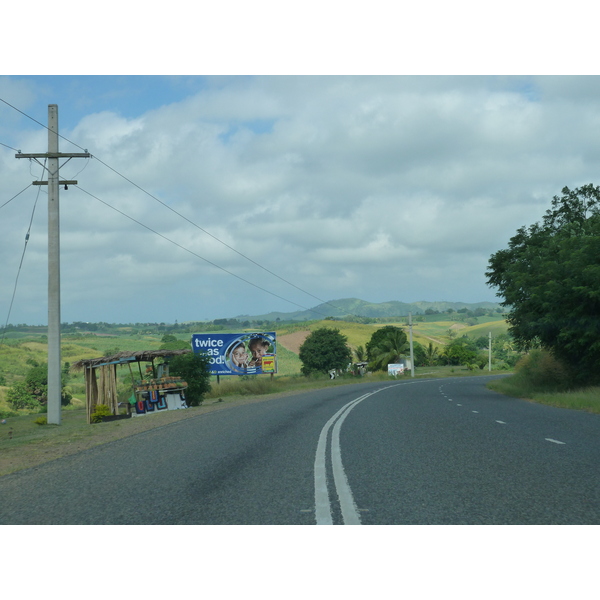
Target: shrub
[543,371]
[194,369]
[100,410]
[41,421]
[19,397]
[5,414]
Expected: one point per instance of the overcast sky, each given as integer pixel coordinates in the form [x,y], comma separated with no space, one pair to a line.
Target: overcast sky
[379,188]
[225,194]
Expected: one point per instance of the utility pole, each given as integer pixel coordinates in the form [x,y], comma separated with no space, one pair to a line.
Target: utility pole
[54,356]
[412,355]
[490,352]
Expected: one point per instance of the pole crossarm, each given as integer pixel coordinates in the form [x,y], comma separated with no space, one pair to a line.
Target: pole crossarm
[55,155]
[62,182]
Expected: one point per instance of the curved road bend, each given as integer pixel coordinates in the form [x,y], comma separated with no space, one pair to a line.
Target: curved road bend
[445,451]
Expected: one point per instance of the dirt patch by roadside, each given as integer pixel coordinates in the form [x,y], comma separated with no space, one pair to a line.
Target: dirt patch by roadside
[293,341]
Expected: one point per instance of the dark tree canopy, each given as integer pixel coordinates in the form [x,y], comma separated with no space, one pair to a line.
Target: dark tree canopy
[549,277]
[391,346]
[373,345]
[324,349]
[193,368]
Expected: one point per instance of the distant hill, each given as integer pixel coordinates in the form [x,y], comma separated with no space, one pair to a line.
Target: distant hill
[346,307]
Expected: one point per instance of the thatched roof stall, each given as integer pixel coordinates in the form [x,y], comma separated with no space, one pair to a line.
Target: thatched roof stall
[103,389]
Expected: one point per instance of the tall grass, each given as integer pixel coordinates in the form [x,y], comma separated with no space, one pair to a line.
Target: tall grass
[541,378]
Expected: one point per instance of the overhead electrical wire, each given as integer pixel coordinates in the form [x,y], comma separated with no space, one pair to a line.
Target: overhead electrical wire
[10,147]
[184,218]
[164,237]
[20,264]
[25,188]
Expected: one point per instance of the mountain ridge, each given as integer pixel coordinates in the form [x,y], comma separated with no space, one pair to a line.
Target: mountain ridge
[346,307]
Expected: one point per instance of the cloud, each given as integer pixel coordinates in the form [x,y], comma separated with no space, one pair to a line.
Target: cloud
[383,188]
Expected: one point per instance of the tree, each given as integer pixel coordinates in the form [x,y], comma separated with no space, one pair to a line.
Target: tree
[431,355]
[324,349]
[461,351]
[193,368]
[33,392]
[360,353]
[389,350]
[376,338]
[549,277]
[170,342]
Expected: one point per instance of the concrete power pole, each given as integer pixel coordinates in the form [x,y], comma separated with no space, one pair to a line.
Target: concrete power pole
[490,352]
[54,355]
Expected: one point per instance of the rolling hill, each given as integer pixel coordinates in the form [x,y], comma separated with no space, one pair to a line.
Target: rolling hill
[354,307]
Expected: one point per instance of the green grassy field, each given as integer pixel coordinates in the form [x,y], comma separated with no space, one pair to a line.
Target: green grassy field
[18,353]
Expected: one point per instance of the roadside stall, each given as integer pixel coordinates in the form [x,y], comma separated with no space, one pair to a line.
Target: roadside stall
[153,389]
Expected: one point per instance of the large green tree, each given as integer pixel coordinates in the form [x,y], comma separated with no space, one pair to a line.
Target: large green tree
[373,345]
[390,348]
[323,350]
[549,278]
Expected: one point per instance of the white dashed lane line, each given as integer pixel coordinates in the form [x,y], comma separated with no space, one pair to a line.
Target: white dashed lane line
[553,441]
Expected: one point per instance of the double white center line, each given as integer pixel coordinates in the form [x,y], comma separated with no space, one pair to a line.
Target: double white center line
[350,513]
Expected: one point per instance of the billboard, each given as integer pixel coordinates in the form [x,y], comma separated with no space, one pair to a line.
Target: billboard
[238,353]
[396,369]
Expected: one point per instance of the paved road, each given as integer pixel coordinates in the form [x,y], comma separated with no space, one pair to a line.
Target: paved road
[442,451]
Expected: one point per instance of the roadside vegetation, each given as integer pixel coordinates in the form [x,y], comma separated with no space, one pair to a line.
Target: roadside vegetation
[540,377]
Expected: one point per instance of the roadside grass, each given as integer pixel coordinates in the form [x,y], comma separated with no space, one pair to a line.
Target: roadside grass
[587,399]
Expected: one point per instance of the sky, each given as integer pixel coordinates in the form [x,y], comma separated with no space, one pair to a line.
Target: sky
[243,190]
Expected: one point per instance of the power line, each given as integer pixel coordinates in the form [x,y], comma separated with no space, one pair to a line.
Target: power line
[28,186]
[211,235]
[10,147]
[164,237]
[20,265]
[179,214]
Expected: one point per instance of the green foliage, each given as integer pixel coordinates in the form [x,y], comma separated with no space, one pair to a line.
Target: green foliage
[549,277]
[193,368]
[391,346]
[41,421]
[461,351]
[361,354]
[5,414]
[324,349]
[19,397]
[100,410]
[430,355]
[372,346]
[33,392]
[170,342]
[542,371]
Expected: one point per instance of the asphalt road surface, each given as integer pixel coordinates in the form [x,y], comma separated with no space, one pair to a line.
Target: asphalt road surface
[444,451]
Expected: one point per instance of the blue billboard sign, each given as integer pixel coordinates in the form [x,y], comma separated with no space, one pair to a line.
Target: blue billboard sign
[238,353]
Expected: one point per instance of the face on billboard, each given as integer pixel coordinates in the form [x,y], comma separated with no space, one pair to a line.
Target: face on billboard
[238,354]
